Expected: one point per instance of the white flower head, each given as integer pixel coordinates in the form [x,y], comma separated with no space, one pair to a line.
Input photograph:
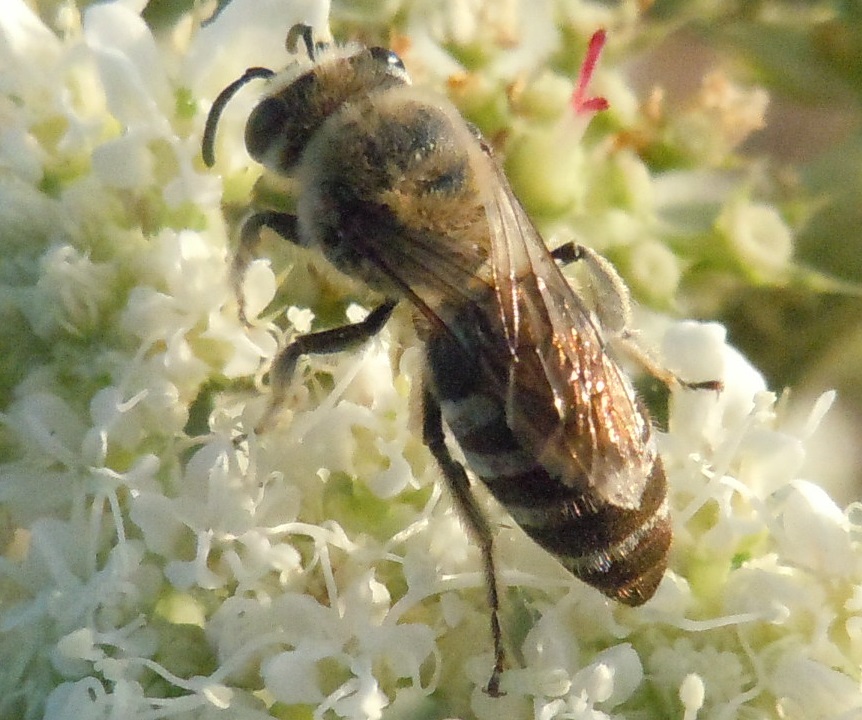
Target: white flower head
[161,561]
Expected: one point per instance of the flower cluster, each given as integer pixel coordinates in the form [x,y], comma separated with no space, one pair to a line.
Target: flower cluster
[157,562]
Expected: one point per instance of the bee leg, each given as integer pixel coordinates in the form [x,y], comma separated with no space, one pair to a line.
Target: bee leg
[613,308]
[567,253]
[670,379]
[477,524]
[320,343]
[613,299]
[249,241]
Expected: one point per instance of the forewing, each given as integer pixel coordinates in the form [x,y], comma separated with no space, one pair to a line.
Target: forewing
[566,399]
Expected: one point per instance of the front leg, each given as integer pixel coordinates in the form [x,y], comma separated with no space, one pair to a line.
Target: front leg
[249,240]
[320,343]
[477,524]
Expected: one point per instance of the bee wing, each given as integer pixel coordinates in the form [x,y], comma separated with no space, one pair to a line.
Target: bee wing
[565,398]
[484,276]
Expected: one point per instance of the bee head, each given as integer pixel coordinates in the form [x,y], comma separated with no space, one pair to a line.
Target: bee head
[299,101]
[281,125]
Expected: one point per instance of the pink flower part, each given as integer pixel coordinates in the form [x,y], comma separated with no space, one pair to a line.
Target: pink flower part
[581,104]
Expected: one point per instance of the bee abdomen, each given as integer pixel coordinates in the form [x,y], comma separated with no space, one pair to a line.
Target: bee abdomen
[631,571]
[620,551]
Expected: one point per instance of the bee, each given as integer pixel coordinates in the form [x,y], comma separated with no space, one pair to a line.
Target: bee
[396,189]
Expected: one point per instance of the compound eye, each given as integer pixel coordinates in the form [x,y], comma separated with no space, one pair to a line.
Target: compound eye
[265,124]
[387,57]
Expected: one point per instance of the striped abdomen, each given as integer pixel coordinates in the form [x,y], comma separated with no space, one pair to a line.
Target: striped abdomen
[618,550]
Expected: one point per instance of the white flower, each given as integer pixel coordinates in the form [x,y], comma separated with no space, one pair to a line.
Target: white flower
[758,237]
[157,562]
